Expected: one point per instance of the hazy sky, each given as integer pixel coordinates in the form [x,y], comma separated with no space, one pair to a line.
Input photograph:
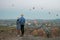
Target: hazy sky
[11,9]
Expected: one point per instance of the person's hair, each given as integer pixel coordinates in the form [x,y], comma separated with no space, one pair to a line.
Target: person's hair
[22,15]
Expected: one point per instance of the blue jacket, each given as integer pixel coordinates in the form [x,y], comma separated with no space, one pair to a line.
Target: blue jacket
[22,21]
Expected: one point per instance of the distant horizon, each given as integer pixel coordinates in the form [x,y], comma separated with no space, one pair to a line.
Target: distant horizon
[29,19]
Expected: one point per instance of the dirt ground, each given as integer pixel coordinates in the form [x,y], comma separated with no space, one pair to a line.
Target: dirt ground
[11,35]
[6,36]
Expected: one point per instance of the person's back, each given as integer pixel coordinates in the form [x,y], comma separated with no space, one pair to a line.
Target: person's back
[22,20]
[22,24]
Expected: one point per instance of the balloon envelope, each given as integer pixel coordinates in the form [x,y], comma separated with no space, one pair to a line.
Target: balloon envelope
[41,8]
[12,5]
[49,12]
[57,15]
[33,7]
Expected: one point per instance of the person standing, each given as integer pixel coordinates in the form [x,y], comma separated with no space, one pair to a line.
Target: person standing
[18,27]
[22,24]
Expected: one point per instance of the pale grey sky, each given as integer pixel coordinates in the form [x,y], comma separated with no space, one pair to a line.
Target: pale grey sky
[53,4]
[13,8]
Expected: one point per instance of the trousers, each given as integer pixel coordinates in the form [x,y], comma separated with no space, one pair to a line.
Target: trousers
[22,29]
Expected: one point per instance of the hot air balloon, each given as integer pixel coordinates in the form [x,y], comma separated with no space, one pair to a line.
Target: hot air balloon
[12,5]
[41,8]
[33,8]
[49,12]
[57,15]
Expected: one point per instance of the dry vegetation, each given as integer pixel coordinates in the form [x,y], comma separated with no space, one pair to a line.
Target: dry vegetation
[9,33]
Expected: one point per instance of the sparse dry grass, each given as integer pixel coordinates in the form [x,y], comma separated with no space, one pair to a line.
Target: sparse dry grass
[9,33]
